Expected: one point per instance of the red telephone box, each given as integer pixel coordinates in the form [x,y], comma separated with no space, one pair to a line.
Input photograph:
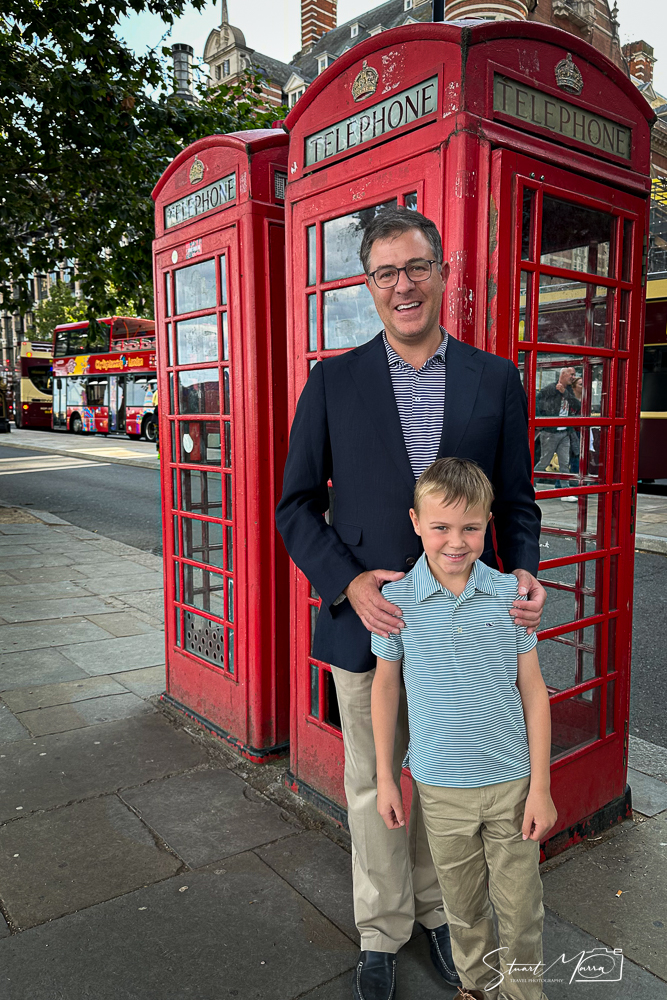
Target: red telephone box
[219,263]
[531,152]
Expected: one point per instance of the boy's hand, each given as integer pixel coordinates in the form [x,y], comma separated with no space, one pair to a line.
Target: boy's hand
[377,614]
[390,804]
[529,612]
[539,815]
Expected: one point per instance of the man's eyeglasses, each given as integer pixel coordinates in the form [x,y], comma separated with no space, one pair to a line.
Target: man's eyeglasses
[416,270]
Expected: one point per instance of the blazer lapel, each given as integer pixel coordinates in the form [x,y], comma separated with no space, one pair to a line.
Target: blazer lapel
[464,371]
[370,372]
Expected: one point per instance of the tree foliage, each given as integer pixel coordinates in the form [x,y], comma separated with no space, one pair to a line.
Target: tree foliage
[62,306]
[86,129]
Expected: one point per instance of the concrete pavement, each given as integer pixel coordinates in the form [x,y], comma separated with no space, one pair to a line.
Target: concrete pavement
[141,858]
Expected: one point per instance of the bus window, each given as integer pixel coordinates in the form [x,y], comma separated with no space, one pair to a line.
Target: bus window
[76,392]
[96,392]
[41,379]
[93,338]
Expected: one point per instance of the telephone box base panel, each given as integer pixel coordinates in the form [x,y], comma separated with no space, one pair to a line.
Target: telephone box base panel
[599,822]
[317,799]
[255,754]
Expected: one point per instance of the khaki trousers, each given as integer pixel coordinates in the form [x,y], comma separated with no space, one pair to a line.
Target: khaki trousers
[475,836]
[394,881]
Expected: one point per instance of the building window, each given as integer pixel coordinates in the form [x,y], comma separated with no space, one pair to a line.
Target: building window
[218,72]
[376,30]
[407,4]
[354,31]
[323,61]
[295,95]
[225,67]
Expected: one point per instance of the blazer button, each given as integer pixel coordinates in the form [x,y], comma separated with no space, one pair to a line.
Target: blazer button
[410,561]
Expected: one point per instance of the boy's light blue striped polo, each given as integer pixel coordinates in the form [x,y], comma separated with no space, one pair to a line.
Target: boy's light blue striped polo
[459,655]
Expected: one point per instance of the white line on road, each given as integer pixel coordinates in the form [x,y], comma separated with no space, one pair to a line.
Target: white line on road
[76,464]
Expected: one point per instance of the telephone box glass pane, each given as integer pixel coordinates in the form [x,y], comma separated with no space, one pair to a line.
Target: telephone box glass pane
[225,338]
[201,492]
[200,442]
[197,340]
[569,529]
[570,454]
[203,590]
[584,382]
[574,723]
[230,650]
[342,241]
[170,348]
[570,659]
[312,254]
[527,219]
[525,332]
[611,706]
[331,709]
[314,691]
[350,318]
[202,541]
[312,322]
[229,537]
[223,280]
[626,267]
[167,294]
[230,599]
[624,321]
[195,287]
[571,593]
[574,312]
[225,391]
[576,237]
[199,391]
[204,638]
[228,444]
[411,201]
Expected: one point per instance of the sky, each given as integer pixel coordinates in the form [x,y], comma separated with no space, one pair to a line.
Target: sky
[273,27]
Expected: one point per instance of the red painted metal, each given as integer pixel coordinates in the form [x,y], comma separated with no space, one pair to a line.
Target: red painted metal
[466,166]
[220,309]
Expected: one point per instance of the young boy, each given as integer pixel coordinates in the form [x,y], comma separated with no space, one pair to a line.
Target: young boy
[480,734]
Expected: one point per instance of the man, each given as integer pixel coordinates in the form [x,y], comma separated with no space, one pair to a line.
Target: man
[372,420]
[557,399]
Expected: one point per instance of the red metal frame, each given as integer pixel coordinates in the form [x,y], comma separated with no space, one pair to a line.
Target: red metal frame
[470,165]
[226,659]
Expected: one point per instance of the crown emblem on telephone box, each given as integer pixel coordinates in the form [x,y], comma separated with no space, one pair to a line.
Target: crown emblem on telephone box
[196,170]
[568,76]
[365,83]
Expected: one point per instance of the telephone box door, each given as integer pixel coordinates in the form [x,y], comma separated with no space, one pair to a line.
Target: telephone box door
[333,312]
[568,311]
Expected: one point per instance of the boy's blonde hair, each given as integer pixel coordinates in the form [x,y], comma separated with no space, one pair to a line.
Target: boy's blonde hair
[454,480]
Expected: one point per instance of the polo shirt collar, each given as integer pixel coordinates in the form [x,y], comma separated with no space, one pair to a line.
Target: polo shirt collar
[395,359]
[426,585]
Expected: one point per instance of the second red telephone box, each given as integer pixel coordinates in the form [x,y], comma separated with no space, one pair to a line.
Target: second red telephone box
[220,309]
[530,151]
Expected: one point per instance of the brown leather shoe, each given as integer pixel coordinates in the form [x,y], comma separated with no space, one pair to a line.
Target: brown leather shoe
[464,994]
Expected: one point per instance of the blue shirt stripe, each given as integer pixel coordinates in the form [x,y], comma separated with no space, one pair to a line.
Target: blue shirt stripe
[459,654]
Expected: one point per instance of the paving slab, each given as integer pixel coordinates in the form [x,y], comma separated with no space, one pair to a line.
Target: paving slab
[648,758]
[128,585]
[16,638]
[62,572]
[4,929]
[649,795]
[115,569]
[635,862]
[66,607]
[16,592]
[145,683]
[67,859]
[30,526]
[209,815]
[36,561]
[151,602]
[200,944]
[11,728]
[36,666]
[47,695]
[15,552]
[62,718]
[7,580]
[113,656]
[35,538]
[119,623]
[53,770]
[321,871]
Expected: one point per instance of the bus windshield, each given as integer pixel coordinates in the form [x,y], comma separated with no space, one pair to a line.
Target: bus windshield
[41,378]
[92,338]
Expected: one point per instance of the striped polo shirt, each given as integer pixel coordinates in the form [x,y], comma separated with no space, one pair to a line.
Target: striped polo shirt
[420,398]
[459,655]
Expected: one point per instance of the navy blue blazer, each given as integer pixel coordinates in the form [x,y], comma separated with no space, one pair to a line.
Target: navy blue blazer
[347,429]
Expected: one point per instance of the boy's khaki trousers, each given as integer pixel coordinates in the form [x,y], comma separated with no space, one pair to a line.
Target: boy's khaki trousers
[394,881]
[475,836]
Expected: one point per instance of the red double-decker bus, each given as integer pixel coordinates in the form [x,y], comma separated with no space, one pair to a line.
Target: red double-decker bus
[104,377]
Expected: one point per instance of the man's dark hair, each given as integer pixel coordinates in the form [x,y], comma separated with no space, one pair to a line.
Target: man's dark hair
[393,221]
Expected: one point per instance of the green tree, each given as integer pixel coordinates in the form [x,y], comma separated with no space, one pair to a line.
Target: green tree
[62,306]
[86,129]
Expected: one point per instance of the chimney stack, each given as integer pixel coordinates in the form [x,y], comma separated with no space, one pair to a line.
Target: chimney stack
[317,17]
[639,57]
[182,57]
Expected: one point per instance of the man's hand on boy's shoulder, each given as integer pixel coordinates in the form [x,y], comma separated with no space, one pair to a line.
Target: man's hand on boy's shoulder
[365,596]
[528,612]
